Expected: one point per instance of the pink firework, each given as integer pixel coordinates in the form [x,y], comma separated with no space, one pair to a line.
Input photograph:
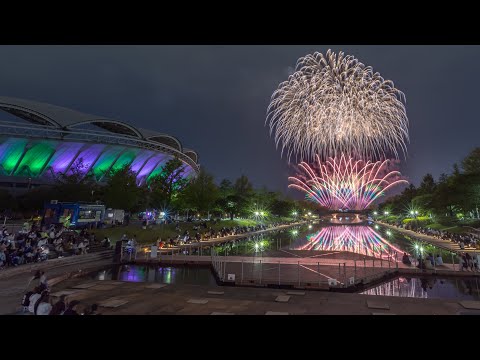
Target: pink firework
[345,183]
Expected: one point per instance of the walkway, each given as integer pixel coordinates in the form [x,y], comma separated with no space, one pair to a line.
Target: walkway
[138,298]
[443,244]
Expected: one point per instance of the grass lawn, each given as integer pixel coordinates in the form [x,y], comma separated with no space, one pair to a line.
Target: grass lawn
[153,232]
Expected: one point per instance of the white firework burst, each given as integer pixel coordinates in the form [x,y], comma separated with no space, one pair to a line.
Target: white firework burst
[334,105]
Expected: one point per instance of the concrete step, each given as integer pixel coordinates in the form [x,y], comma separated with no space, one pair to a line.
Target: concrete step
[52,263]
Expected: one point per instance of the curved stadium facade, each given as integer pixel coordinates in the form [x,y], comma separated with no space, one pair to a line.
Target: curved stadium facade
[45,140]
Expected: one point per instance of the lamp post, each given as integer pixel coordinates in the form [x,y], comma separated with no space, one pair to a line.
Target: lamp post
[421,255]
[162,214]
[416,253]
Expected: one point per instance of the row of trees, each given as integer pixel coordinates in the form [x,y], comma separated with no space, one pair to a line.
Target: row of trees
[452,197]
[168,190]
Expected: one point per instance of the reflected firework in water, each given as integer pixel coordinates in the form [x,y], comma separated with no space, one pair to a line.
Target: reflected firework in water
[357,239]
[414,288]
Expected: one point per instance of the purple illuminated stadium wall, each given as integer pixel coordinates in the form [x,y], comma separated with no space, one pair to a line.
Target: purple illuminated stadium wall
[43,158]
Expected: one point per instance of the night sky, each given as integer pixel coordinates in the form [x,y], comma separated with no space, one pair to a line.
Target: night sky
[214,98]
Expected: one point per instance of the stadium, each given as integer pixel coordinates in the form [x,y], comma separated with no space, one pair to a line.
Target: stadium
[40,141]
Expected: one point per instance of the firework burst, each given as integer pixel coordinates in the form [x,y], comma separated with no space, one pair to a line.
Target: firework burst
[345,183]
[335,105]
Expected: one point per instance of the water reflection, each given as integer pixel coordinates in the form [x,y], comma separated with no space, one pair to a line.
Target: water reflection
[357,239]
[465,289]
[403,287]
[166,275]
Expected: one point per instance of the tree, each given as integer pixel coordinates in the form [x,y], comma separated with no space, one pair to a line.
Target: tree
[427,186]
[76,184]
[471,163]
[243,192]
[163,188]
[227,200]
[201,193]
[121,190]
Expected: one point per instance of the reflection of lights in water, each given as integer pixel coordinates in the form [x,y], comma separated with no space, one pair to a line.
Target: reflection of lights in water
[400,287]
[134,274]
[358,239]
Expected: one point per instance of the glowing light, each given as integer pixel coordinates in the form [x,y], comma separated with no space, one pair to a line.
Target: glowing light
[262,213]
[388,233]
[344,183]
[416,246]
[386,212]
[358,239]
[334,105]
[162,213]
[309,226]
[376,227]
[375,213]
[257,213]
[256,246]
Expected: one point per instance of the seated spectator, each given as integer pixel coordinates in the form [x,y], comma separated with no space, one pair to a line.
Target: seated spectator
[43,306]
[406,259]
[72,308]
[37,294]
[428,264]
[59,306]
[93,310]
[439,260]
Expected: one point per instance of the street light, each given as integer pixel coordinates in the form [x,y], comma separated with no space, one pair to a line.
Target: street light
[309,213]
[309,226]
[375,213]
[257,213]
[386,213]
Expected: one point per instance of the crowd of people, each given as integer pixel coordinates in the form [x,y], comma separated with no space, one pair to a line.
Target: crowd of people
[33,243]
[39,302]
[463,240]
[204,232]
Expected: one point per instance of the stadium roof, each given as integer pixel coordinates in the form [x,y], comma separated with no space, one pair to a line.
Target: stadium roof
[58,117]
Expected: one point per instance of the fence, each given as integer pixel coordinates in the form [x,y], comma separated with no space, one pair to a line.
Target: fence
[303,273]
[306,272]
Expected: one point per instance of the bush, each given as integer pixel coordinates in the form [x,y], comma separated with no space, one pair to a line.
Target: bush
[421,221]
